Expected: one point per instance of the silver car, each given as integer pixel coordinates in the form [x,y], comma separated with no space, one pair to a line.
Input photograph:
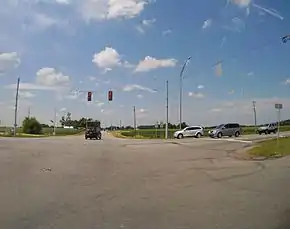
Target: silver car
[191,131]
[230,129]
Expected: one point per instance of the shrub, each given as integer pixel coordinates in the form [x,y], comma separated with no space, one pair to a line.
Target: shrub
[31,126]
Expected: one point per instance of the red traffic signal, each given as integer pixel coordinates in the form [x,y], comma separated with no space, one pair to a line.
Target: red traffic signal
[89,96]
[110,95]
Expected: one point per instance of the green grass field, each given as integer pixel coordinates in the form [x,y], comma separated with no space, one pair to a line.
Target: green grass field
[270,148]
[5,131]
[160,133]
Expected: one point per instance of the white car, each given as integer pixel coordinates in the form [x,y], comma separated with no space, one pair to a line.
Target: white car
[191,131]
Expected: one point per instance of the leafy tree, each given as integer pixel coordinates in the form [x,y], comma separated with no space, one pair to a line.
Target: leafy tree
[31,126]
[62,121]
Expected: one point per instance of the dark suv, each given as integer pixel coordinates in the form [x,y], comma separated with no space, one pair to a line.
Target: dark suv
[93,133]
[230,129]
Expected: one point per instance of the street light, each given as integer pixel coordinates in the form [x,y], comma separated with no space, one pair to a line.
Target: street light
[180,95]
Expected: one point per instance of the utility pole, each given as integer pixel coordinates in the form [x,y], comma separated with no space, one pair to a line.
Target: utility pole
[54,121]
[134,118]
[120,124]
[16,106]
[180,90]
[255,114]
[28,112]
[166,125]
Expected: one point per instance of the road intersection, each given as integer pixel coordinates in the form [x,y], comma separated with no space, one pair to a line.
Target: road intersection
[69,182]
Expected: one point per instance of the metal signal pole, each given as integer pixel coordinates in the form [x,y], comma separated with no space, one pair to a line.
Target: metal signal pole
[16,106]
[166,126]
[181,90]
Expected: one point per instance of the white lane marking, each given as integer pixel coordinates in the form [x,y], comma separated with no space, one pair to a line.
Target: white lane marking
[228,140]
[237,140]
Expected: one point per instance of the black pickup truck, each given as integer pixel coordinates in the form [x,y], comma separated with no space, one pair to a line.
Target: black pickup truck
[93,131]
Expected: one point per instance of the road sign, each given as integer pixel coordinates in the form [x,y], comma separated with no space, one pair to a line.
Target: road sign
[279,106]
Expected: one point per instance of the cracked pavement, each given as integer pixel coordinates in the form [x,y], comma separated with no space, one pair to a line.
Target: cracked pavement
[67,182]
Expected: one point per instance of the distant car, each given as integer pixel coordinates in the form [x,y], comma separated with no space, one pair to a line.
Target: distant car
[268,129]
[230,129]
[191,131]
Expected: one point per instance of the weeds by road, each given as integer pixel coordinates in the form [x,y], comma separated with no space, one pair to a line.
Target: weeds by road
[6,132]
[270,148]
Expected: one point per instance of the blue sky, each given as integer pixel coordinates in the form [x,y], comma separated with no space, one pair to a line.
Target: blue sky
[61,48]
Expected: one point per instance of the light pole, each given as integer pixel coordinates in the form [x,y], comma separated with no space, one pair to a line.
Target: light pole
[166,126]
[134,119]
[16,107]
[180,90]
[255,114]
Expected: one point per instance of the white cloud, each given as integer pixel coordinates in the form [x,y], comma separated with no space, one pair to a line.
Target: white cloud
[196,95]
[144,24]
[73,95]
[140,29]
[241,3]
[231,92]
[207,23]
[287,81]
[134,87]
[166,32]
[223,41]
[65,2]
[142,110]
[44,21]
[51,77]
[31,86]
[63,109]
[92,78]
[26,95]
[216,110]
[46,79]
[251,74]
[200,86]
[149,22]
[100,104]
[236,25]
[9,61]
[109,58]
[111,9]
[107,70]
[150,63]
[140,96]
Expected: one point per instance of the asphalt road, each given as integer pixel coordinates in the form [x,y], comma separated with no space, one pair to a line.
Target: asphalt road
[68,182]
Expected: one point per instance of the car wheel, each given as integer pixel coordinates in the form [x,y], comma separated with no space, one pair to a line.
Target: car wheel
[219,135]
[198,135]
[237,134]
[259,133]
[179,136]
[266,132]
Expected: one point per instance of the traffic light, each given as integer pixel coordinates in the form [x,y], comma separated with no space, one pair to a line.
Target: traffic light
[89,96]
[110,95]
